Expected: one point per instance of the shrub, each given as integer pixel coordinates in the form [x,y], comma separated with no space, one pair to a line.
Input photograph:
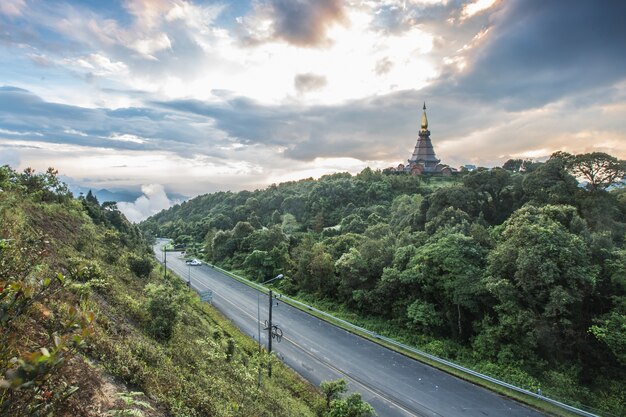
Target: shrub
[140,266]
[164,308]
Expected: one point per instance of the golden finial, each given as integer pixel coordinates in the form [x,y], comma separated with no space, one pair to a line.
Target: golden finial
[424,119]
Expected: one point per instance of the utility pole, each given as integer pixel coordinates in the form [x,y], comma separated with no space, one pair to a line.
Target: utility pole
[269,327]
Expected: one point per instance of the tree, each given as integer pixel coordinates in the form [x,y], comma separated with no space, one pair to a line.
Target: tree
[352,406]
[612,331]
[289,224]
[405,212]
[503,192]
[140,266]
[351,270]
[551,183]
[164,308]
[92,198]
[540,273]
[463,198]
[333,389]
[223,245]
[599,169]
[448,270]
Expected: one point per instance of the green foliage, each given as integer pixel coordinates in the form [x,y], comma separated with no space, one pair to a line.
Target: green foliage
[612,332]
[163,306]
[541,273]
[83,270]
[517,269]
[29,383]
[351,406]
[333,389]
[599,169]
[48,333]
[140,266]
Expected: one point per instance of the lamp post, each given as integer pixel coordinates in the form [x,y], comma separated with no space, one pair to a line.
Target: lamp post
[258,320]
[189,276]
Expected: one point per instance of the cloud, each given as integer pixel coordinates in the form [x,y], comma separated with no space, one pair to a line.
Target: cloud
[326,84]
[149,46]
[538,52]
[305,83]
[98,64]
[153,200]
[10,157]
[26,117]
[301,23]
[383,66]
[475,7]
[367,129]
[12,7]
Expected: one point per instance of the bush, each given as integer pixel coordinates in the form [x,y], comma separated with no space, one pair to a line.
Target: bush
[84,270]
[163,307]
[140,266]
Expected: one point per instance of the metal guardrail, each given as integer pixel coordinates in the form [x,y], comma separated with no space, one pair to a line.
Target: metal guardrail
[419,352]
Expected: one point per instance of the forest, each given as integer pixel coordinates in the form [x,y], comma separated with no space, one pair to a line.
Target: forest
[517,271]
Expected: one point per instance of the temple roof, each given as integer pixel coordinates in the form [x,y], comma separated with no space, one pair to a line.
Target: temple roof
[424,153]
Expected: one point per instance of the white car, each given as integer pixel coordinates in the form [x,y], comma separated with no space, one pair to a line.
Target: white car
[193,262]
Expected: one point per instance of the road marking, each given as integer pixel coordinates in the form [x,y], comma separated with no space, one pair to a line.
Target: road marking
[374,391]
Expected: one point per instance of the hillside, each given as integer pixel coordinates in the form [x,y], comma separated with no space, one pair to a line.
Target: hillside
[89,326]
[518,272]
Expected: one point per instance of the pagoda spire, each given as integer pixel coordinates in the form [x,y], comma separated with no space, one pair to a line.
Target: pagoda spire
[424,154]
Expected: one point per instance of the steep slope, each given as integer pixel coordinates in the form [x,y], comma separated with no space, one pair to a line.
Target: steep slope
[89,327]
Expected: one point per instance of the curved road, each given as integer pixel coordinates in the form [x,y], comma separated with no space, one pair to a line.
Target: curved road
[395,385]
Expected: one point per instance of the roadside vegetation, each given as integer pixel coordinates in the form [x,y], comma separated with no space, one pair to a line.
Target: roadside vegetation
[89,326]
[517,272]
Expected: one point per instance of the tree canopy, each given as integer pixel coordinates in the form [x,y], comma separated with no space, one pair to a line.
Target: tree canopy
[517,271]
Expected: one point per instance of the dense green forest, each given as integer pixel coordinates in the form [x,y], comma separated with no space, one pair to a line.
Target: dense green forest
[518,272]
[90,327]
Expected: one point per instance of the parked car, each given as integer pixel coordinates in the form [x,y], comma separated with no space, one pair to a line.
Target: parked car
[193,262]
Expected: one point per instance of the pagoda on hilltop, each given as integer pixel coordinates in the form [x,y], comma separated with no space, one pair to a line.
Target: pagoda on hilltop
[424,160]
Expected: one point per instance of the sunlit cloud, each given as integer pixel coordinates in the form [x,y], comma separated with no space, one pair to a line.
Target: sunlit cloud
[153,200]
[475,7]
[98,64]
[201,97]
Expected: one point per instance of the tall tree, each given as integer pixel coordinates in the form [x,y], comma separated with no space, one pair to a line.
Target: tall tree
[540,272]
[599,169]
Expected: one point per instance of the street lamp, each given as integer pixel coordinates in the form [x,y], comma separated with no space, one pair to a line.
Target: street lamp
[258,320]
[189,276]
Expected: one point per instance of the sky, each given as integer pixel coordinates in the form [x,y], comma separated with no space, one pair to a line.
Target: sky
[190,97]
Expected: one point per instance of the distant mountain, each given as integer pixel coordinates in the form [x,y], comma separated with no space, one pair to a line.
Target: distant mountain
[104,194]
[119,195]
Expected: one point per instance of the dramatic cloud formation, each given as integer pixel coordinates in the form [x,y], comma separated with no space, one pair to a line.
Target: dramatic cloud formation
[153,200]
[537,52]
[203,96]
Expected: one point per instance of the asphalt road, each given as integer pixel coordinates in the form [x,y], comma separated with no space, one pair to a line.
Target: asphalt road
[395,385]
